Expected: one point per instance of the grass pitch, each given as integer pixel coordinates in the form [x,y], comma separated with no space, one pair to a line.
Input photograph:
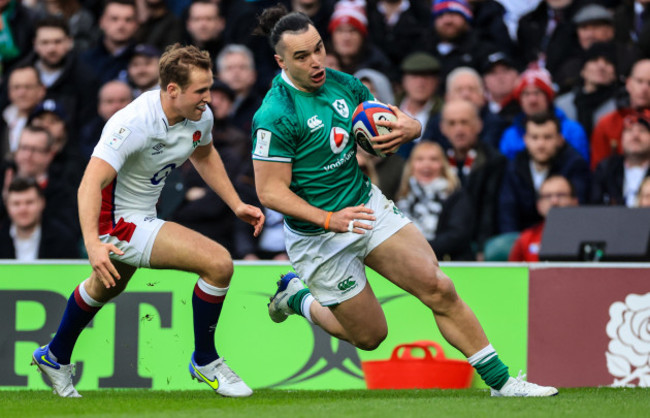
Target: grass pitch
[474,403]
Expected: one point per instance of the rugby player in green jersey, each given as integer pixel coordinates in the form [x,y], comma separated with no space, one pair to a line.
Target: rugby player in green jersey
[336,222]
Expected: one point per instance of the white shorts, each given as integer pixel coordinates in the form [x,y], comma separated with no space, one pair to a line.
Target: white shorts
[134,234]
[332,264]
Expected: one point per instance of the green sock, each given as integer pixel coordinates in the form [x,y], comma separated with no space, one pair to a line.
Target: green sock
[493,372]
[295,301]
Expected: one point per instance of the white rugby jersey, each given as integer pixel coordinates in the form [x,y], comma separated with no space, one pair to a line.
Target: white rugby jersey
[141,146]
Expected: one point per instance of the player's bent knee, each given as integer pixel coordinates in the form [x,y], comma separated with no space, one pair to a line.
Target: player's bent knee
[438,290]
[219,271]
[370,342]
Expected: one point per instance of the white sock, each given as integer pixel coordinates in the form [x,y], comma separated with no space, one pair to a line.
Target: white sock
[86,297]
[305,306]
[484,354]
[212,290]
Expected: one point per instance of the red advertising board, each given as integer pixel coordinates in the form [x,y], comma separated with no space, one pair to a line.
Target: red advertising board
[589,326]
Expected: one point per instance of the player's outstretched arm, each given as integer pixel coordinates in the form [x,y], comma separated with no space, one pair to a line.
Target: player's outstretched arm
[272,180]
[208,163]
[98,175]
[403,130]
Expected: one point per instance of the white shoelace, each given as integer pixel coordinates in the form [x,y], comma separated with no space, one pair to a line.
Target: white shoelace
[227,372]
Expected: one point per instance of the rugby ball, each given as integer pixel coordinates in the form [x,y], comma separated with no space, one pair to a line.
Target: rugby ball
[364,124]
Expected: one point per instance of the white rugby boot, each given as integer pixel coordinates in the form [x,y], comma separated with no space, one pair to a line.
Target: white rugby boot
[60,375]
[519,387]
[220,378]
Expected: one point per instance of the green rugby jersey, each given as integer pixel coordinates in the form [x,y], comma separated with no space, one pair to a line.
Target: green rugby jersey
[312,132]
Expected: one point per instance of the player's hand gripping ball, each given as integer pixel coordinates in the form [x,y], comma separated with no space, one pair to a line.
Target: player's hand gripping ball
[365,128]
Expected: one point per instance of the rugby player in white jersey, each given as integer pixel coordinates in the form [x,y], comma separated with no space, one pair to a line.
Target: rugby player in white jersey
[140,145]
[336,221]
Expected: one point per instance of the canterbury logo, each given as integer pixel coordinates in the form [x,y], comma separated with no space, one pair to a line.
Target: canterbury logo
[347,284]
[314,123]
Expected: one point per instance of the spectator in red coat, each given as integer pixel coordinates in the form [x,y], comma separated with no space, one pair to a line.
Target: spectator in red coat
[556,191]
[606,138]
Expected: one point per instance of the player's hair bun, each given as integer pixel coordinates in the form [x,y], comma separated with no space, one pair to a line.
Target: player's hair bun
[269,18]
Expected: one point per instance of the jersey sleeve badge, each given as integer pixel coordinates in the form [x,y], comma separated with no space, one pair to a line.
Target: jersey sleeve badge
[263,143]
[117,137]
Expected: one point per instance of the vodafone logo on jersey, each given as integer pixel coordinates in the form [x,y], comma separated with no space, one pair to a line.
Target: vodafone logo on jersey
[196,137]
[338,139]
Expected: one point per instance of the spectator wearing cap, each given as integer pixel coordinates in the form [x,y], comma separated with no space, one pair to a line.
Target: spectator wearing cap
[160,27]
[465,83]
[53,117]
[606,138]
[547,36]
[546,154]
[500,77]
[453,40]
[27,234]
[420,80]
[204,26]
[535,94]
[200,207]
[143,69]
[34,159]
[618,178]
[66,77]
[111,54]
[395,26]
[25,92]
[348,28]
[595,24]
[594,97]
[112,97]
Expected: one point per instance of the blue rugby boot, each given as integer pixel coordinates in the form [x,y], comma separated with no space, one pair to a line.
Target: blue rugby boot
[288,285]
[220,378]
[60,375]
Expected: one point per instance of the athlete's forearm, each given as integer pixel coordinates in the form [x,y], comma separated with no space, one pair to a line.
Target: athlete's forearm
[212,171]
[89,198]
[281,199]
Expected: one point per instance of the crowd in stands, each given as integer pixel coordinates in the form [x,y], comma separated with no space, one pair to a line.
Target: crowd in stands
[521,110]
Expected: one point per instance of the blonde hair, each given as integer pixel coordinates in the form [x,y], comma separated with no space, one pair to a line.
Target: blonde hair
[645,182]
[446,172]
[177,63]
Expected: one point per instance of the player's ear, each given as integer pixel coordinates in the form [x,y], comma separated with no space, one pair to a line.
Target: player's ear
[173,90]
[280,61]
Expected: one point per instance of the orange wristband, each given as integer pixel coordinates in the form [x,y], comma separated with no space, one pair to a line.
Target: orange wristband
[327,220]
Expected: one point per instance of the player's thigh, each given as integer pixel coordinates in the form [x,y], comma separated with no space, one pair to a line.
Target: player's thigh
[407,259]
[180,248]
[362,319]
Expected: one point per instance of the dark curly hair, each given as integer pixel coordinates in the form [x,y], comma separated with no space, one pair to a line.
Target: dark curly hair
[275,21]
